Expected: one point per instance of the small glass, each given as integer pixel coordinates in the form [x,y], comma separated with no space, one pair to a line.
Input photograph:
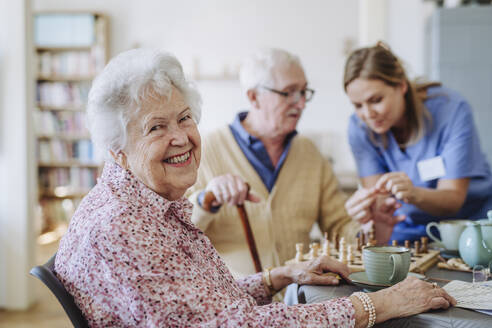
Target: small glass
[479,273]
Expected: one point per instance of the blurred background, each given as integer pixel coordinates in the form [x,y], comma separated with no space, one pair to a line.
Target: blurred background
[50,50]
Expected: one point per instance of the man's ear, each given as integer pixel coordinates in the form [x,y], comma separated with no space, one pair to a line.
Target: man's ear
[253,98]
[120,158]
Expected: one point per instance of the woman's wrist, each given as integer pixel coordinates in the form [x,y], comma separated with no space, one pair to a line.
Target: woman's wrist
[384,311]
[361,316]
[280,277]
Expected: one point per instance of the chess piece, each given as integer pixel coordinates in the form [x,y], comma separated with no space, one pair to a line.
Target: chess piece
[342,243]
[357,242]
[362,238]
[350,254]
[342,254]
[416,245]
[337,242]
[394,243]
[342,250]
[299,248]
[313,251]
[371,233]
[326,248]
[310,255]
[407,243]
[424,240]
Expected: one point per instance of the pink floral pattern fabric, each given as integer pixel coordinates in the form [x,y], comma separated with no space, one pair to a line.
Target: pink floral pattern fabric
[131,258]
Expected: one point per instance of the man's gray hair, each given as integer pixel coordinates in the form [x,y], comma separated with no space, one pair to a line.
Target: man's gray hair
[119,90]
[259,68]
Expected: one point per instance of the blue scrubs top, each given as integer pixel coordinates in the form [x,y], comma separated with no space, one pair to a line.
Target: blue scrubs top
[453,136]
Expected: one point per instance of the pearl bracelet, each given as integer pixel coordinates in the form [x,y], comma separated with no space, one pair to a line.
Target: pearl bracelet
[368,307]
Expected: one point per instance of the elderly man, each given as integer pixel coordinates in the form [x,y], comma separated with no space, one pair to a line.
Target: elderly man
[292,185]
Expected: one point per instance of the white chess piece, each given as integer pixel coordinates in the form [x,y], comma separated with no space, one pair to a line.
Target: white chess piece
[299,248]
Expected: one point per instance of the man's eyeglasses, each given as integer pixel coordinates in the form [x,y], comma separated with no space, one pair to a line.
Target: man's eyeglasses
[293,96]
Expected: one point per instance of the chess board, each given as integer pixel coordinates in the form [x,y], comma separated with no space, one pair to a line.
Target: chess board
[420,262]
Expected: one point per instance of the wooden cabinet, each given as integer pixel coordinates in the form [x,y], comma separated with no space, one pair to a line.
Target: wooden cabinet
[71,49]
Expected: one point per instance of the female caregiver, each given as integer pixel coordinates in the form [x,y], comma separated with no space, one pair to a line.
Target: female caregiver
[415,142]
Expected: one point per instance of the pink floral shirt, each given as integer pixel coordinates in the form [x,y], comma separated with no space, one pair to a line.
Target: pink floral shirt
[131,258]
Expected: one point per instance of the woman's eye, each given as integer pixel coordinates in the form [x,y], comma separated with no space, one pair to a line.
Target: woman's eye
[155,127]
[185,118]
[377,100]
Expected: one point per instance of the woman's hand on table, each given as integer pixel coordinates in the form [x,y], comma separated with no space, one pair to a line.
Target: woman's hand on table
[322,270]
[409,297]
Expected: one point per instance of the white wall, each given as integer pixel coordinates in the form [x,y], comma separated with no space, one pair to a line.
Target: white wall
[17,157]
[222,32]
[406,22]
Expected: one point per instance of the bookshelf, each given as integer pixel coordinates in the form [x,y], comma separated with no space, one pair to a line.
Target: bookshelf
[71,48]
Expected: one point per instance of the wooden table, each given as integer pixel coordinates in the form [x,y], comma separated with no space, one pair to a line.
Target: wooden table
[452,317]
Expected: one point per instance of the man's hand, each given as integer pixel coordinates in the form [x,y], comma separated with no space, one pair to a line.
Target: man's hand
[359,205]
[230,189]
[384,220]
[373,208]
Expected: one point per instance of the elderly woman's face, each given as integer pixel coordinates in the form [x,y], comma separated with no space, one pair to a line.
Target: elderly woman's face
[163,147]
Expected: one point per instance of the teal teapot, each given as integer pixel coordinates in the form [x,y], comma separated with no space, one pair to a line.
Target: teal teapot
[475,243]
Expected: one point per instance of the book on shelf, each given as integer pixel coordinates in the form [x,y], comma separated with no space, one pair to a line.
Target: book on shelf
[58,150]
[75,179]
[60,94]
[70,63]
[59,122]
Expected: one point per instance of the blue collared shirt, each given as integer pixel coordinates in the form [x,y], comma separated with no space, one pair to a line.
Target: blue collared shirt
[256,153]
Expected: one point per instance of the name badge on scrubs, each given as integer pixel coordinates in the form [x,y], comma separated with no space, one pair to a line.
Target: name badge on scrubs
[432,168]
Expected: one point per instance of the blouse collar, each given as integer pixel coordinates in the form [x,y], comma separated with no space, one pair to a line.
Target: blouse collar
[127,186]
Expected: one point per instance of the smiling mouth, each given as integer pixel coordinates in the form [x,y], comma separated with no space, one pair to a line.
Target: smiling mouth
[178,159]
[294,113]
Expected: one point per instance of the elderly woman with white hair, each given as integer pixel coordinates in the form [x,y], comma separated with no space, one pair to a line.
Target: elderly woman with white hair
[133,258]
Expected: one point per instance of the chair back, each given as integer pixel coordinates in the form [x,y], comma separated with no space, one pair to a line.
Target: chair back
[46,274]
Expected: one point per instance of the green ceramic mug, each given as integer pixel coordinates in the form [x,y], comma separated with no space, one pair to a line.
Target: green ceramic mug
[386,265]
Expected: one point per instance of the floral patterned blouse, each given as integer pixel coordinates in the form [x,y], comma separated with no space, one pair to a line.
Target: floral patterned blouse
[131,258]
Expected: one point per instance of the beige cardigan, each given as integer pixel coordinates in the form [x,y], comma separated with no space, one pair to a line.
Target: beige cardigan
[306,191]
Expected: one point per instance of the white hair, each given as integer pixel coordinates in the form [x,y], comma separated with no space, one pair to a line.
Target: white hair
[259,68]
[119,90]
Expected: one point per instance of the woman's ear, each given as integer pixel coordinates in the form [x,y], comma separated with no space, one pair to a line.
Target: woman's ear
[253,98]
[404,87]
[120,159]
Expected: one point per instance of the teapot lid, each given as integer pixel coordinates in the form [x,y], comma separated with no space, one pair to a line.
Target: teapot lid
[489,221]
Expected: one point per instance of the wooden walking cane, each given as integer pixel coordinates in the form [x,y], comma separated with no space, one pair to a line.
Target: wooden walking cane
[207,204]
